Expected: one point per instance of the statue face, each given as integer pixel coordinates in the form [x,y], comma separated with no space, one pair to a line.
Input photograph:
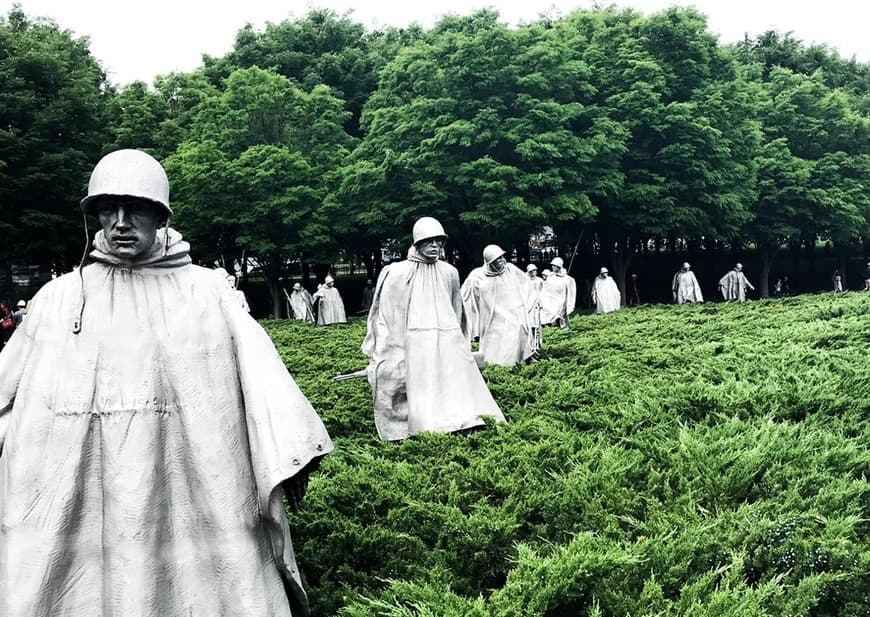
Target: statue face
[556,269]
[430,248]
[129,224]
[533,274]
[497,264]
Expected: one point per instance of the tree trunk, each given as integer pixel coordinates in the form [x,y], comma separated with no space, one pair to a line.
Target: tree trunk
[767,255]
[621,260]
[271,273]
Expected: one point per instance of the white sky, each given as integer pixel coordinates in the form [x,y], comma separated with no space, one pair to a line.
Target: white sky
[137,40]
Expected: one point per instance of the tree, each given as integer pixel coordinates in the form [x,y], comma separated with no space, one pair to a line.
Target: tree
[485,128]
[255,170]
[320,48]
[53,105]
[813,169]
[688,168]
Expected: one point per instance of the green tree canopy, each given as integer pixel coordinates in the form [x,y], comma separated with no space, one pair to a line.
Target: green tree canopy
[53,126]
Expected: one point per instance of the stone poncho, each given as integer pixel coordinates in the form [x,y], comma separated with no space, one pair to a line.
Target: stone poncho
[143,458]
[558,296]
[502,302]
[605,295]
[421,370]
[686,288]
[330,306]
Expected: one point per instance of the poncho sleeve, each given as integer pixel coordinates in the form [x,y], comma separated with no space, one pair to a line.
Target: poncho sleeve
[285,434]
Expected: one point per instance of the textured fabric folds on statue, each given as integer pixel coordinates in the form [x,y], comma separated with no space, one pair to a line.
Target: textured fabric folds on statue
[421,370]
[472,311]
[301,303]
[330,306]
[558,297]
[733,286]
[145,456]
[502,302]
[605,295]
[686,288]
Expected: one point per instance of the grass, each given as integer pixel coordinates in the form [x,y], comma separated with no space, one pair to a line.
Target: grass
[664,460]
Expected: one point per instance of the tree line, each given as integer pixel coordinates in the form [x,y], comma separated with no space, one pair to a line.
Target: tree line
[317,139]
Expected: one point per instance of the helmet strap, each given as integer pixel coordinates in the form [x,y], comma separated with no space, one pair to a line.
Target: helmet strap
[166,236]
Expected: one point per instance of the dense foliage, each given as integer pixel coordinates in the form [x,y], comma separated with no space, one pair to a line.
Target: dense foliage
[316,140]
[695,460]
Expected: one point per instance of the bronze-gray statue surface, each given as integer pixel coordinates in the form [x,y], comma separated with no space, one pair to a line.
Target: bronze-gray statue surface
[329,304]
[300,304]
[685,286]
[605,293]
[501,298]
[558,295]
[421,370]
[734,284]
[149,432]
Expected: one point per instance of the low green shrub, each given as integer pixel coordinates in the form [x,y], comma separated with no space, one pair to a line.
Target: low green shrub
[665,460]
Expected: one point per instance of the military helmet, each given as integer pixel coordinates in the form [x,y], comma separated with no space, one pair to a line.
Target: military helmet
[129,173]
[491,253]
[426,228]
[531,268]
[557,261]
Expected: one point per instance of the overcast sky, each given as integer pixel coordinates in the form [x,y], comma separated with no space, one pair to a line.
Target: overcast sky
[137,40]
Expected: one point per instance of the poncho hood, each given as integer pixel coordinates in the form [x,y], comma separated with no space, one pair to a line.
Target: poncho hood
[163,254]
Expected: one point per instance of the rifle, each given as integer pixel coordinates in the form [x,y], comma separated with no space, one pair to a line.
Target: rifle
[360,374]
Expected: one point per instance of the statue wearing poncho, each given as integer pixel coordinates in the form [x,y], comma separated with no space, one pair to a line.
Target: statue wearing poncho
[144,458]
[605,293]
[558,296]
[421,370]
[685,286]
[501,299]
[300,304]
[734,284]
[330,306]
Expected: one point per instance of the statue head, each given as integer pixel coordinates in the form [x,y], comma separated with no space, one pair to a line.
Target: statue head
[329,281]
[686,266]
[429,237]
[532,270]
[369,282]
[738,267]
[493,258]
[603,273]
[129,193]
[546,273]
[557,264]
[297,287]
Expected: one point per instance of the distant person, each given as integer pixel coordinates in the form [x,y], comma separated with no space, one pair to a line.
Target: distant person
[330,306]
[734,284]
[777,288]
[367,295]
[605,293]
[7,323]
[19,314]
[300,304]
[421,369]
[837,282]
[867,277]
[685,286]
[558,296]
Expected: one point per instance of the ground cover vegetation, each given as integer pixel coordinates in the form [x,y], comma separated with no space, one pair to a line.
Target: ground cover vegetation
[695,460]
[316,140]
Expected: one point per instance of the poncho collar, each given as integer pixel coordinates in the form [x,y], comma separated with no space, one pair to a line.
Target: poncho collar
[174,254]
